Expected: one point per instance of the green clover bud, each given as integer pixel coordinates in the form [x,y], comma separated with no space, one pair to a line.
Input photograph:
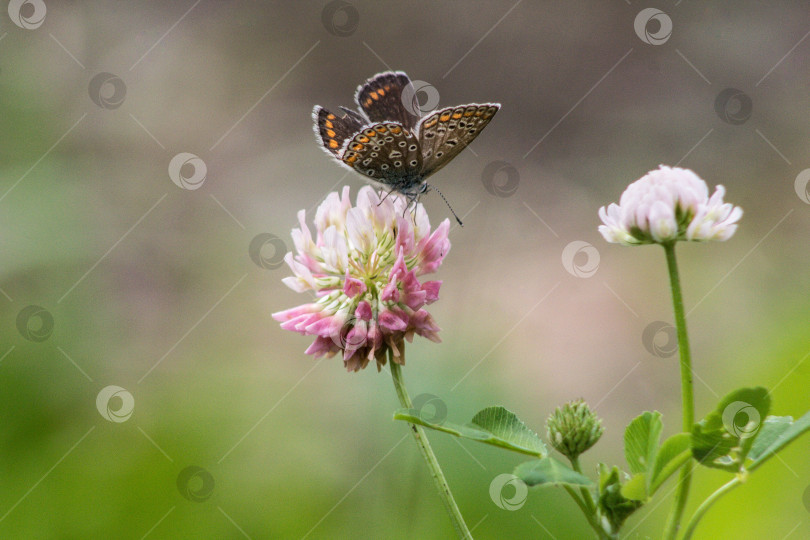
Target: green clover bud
[573,428]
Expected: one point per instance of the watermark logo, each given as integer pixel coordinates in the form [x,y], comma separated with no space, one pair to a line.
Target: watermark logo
[187,171]
[580,259]
[660,339]
[431,408]
[500,178]
[351,335]
[741,419]
[508,492]
[195,483]
[35,323]
[802,187]
[267,251]
[419,98]
[643,22]
[115,404]
[733,106]
[340,18]
[28,14]
[107,90]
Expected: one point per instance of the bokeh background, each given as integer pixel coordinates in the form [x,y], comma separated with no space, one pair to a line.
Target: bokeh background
[146,286]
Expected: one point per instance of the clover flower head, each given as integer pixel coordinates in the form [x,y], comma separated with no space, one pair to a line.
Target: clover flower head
[667,205]
[363,267]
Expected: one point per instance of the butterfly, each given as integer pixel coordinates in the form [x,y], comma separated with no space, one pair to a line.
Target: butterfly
[390,143]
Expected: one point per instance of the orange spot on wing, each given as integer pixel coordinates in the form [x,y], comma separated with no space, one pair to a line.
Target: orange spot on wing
[329,124]
[330,116]
[362,139]
[351,159]
[330,133]
[445,116]
[370,132]
[381,91]
[333,144]
[357,146]
[368,102]
[381,128]
[457,115]
[396,130]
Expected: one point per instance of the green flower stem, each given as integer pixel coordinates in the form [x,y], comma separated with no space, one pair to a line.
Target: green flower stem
[589,514]
[710,500]
[586,493]
[587,503]
[427,453]
[687,397]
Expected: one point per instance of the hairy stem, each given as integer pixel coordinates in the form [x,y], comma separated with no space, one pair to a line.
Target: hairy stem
[687,397]
[427,453]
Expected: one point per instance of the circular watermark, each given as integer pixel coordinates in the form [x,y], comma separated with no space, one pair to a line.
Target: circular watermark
[660,339]
[187,171]
[642,26]
[802,186]
[733,106]
[572,259]
[741,419]
[340,18]
[507,484]
[28,14]
[419,97]
[500,178]
[115,404]
[107,90]
[347,337]
[35,323]
[195,483]
[267,251]
[431,408]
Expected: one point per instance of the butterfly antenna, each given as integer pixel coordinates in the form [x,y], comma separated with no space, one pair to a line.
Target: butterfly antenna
[448,205]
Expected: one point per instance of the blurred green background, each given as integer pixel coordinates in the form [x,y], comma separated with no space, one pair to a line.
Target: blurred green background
[151,287]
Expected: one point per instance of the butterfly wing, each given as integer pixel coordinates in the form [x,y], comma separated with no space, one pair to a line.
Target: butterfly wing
[380,98]
[333,130]
[445,133]
[387,153]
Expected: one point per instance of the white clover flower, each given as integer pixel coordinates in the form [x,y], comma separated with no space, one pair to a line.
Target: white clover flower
[667,205]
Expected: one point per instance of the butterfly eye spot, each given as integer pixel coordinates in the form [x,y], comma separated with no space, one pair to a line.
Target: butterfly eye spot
[451,142]
[374,154]
[397,164]
[375,148]
[414,163]
[384,166]
[471,131]
[429,135]
[369,172]
[366,161]
[412,148]
[439,154]
[402,144]
[389,139]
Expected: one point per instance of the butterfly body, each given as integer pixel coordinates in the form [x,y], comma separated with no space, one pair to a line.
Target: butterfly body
[389,143]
